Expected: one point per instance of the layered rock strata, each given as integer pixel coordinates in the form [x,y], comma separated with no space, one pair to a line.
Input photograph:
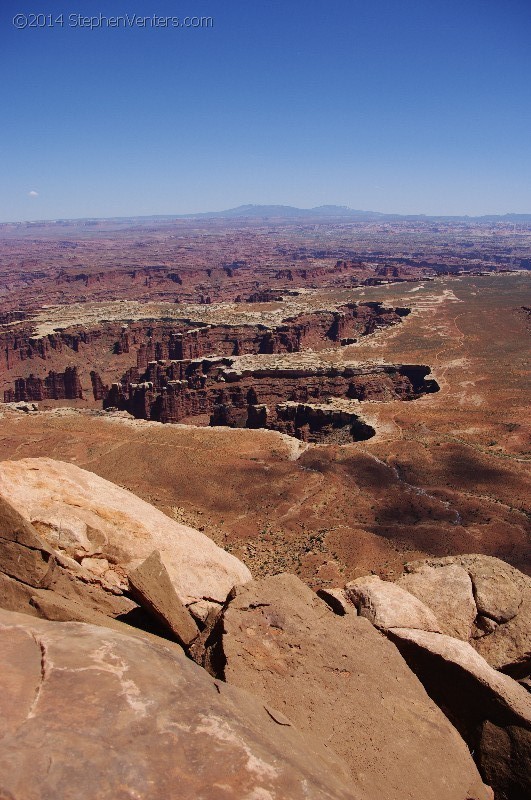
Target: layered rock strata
[283,399]
[55,386]
[22,353]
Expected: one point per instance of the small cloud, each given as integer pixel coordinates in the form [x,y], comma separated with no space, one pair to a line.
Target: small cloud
[33,193]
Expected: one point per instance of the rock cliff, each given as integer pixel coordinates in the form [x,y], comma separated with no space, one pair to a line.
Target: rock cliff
[289,400]
[32,367]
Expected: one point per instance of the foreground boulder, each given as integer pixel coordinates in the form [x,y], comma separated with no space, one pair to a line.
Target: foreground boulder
[388,606]
[110,532]
[491,710]
[40,581]
[88,712]
[448,592]
[337,678]
[479,599]
[29,567]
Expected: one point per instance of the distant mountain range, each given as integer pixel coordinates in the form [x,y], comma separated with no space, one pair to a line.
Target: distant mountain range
[257,211]
[291,212]
[344,212]
[281,212]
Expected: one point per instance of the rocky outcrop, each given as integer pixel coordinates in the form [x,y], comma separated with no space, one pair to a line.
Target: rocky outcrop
[108,531]
[448,592]
[507,647]
[20,345]
[473,598]
[99,390]
[491,710]
[291,401]
[55,386]
[482,600]
[311,423]
[77,549]
[89,712]
[498,588]
[339,679]
[39,580]
[22,353]
[31,571]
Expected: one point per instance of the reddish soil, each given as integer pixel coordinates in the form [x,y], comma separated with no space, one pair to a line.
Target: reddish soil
[444,474]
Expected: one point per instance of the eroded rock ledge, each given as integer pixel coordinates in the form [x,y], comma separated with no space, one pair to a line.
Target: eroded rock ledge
[307,402]
[217,373]
[107,346]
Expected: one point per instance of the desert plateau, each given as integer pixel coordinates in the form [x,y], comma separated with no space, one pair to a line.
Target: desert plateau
[304,469]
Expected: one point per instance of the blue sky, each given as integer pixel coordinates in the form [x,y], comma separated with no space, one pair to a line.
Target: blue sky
[388,105]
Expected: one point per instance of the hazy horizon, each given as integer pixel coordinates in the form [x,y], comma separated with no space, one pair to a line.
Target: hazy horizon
[206,214]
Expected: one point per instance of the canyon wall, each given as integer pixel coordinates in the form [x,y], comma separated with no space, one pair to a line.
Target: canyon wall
[288,400]
[55,386]
[108,349]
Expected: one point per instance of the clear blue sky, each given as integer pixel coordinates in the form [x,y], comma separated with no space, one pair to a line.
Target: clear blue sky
[413,106]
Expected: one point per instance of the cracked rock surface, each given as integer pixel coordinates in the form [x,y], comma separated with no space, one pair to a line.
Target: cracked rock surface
[339,679]
[483,590]
[89,712]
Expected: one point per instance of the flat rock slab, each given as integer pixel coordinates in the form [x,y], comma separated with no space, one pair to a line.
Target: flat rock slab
[447,590]
[91,713]
[83,515]
[151,588]
[387,605]
[49,605]
[339,679]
